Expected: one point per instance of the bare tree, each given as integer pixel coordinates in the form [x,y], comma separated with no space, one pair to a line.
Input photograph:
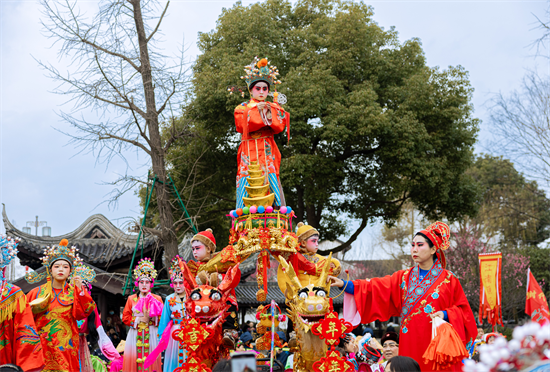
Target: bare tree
[541,45]
[522,125]
[118,73]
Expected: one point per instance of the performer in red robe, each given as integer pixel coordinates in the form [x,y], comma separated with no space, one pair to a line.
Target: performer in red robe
[258,121]
[19,341]
[416,295]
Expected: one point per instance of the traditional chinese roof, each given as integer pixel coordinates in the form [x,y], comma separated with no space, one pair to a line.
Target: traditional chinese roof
[110,282]
[246,294]
[100,243]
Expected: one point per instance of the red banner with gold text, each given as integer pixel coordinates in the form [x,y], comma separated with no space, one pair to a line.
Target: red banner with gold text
[490,291]
[536,305]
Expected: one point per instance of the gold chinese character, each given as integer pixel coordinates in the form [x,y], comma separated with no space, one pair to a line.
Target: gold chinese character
[332,328]
[334,366]
[531,294]
[193,335]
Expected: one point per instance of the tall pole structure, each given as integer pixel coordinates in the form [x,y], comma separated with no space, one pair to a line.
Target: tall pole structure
[36,223]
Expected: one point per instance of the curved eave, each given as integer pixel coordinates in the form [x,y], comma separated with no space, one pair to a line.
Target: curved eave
[100,251]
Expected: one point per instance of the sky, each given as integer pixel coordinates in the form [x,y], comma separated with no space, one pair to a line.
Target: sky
[42,174]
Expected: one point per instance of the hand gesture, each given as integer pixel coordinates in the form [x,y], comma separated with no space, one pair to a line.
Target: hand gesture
[335,282]
[261,105]
[438,314]
[145,317]
[77,282]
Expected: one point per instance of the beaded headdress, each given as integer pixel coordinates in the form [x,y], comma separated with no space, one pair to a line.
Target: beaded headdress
[260,70]
[86,273]
[8,250]
[52,255]
[175,270]
[145,269]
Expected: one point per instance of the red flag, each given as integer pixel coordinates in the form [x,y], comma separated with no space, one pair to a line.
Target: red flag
[536,305]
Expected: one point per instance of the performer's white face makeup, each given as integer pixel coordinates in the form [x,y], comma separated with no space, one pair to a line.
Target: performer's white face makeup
[60,270]
[312,244]
[200,252]
[421,252]
[144,285]
[260,91]
[178,286]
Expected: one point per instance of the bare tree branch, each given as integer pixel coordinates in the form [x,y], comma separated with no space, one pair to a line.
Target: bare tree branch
[159,22]
[117,73]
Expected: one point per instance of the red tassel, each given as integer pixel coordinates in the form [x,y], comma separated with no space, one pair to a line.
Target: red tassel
[446,348]
[265,260]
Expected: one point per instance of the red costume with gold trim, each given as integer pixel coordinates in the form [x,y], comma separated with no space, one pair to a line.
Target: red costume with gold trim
[57,325]
[406,295]
[19,341]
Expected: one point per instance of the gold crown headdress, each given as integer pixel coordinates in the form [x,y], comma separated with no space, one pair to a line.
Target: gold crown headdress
[175,270]
[260,70]
[86,273]
[145,268]
[53,254]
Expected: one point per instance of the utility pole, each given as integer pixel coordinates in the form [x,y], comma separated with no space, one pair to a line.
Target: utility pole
[36,223]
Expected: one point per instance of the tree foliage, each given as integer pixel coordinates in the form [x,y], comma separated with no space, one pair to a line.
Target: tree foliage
[464,262]
[372,126]
[514,211]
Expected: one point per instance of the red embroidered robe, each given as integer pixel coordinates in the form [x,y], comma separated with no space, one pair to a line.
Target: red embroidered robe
[258,144]
[403,294]
[19,340]
[57,325]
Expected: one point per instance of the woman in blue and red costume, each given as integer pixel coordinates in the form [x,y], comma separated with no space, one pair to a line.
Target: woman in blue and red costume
[258,121]
[417,295]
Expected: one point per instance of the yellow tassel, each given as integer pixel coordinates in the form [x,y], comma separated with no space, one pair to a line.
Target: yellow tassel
[16,302]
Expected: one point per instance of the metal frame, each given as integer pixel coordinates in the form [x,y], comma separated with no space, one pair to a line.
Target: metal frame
[188,218]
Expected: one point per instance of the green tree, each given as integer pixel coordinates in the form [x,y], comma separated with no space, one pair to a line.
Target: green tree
[372,126]
[514,211]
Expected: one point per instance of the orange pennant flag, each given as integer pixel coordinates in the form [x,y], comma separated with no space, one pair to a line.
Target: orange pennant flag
[536,305]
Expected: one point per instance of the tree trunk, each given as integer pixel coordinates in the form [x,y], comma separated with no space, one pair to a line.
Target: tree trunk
[300,204]
[163,191]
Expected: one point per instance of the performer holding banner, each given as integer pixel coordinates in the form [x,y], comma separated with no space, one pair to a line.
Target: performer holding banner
[417,295]
[58,305]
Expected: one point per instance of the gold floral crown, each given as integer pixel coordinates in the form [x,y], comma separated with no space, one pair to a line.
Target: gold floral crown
[53,254]
[260,70]
[61,252]
[145,268]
